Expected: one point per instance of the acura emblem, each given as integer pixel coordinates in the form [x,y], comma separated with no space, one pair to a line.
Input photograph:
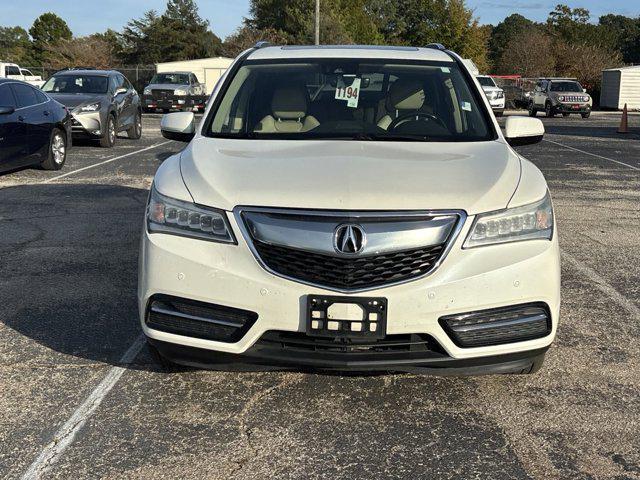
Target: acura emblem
[349,239]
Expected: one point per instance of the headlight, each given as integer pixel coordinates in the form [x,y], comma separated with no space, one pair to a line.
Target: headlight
[93,107]
[561,98]
[533,221]
[146,91]
[585,98]
[168,215]
[499,94]
[180,92]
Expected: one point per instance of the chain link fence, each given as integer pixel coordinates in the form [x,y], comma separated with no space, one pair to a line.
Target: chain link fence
[138,75]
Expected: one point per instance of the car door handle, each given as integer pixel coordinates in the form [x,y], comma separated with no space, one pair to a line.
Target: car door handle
[21,118]
[46,113]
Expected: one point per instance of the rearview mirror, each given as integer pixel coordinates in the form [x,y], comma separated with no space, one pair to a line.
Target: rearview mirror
[178,126]
[523,131]
[7,110]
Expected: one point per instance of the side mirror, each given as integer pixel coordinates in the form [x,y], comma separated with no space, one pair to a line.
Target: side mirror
[120,90]
[523,131]
[7,110]
[178,126]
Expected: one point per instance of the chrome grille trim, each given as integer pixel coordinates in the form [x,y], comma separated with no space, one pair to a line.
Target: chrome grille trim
[352,216]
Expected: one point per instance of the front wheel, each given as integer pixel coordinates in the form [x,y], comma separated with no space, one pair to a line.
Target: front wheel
[548,110]
[585,115]
[565,115]
[57,155]
[108,139]
[135,132]
[532,110]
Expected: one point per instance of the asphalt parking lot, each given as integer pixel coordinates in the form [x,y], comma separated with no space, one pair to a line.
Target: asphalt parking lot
[81,397]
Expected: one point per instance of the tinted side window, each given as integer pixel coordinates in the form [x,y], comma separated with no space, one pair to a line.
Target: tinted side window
[120,80]
[6,97]
[41,96]
[25,95]
[113,84]
[9,70]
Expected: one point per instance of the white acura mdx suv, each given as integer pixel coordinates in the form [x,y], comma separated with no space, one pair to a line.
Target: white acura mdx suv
[350,208]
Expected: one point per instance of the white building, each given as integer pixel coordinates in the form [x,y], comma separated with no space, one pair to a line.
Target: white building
[208,70]
[620,86]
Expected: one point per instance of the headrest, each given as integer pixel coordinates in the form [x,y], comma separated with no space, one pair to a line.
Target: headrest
[289,103]
[405,95]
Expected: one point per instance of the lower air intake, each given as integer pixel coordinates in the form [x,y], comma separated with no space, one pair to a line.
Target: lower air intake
[498,325]
[191,318]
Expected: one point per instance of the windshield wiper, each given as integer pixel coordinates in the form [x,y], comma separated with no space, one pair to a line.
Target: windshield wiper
[390,137]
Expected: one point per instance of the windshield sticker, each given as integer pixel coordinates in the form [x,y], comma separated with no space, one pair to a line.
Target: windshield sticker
[445,69]
[465,106]
[351,93]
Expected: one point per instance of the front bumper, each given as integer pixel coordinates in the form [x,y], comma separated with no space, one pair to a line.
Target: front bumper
[468,280]
[86,124]
[572,108]
[173,102]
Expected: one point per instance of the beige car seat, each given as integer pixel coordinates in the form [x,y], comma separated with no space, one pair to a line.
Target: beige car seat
[404,96]
[288,112]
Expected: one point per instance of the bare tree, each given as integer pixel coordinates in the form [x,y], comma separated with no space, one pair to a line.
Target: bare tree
[88,51]
[529,55]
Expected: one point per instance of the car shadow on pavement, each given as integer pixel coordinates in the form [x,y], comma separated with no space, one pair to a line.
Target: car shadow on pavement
[591,131]
[68,257]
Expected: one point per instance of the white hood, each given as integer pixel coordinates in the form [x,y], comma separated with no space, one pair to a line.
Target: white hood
[350,175]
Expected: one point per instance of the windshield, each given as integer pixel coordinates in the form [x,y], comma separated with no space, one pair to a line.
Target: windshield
[486,81]
[356,99]
[175,78]
[79,84]
[565,87]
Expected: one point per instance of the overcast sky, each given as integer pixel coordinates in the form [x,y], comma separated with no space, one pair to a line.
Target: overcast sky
[89,16]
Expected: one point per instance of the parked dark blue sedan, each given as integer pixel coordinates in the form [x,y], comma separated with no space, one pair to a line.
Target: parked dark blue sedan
[34,129]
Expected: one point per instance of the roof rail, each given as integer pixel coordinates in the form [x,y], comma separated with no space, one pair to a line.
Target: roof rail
[262,44]
[437,46]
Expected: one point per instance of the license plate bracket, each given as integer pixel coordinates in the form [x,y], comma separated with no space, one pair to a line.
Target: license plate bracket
[323,314]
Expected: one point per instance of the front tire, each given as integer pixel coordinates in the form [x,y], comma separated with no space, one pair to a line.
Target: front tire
[585,115]
[57,155]
[548,110]
[135,132]
[108,139]
[532,110]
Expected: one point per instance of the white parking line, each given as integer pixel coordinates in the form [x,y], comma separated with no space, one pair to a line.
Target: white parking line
[66,434]
[592,154]
[601,284]
[53,179]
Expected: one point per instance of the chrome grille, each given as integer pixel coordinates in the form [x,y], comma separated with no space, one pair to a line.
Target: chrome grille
[301,246]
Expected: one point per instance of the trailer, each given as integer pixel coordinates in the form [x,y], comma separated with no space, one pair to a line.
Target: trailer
[620,86]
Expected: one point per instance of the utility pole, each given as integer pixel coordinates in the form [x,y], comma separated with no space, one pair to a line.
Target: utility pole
[317,22]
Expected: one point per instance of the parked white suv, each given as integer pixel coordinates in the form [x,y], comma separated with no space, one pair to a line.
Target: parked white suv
[494,93]
[350,208]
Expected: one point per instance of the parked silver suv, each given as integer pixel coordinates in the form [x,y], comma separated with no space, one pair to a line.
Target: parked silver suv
[559,95]
[102,103]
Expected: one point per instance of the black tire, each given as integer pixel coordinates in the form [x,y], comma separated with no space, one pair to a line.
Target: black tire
[565,115]
[499,114]
[548,110]
[108,139]
[166,110]
[532,110]
[57,153]
[135,132]
[585,115]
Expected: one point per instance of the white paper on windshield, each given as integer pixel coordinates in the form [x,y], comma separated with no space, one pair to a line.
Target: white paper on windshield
[466,106]
[351,93]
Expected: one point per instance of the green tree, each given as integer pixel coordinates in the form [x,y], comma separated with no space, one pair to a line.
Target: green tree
[626,35]
[15,45]
[142,40]
[47,30]
[512,27]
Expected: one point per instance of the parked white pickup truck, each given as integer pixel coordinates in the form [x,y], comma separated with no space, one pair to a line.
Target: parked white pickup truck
[11,70]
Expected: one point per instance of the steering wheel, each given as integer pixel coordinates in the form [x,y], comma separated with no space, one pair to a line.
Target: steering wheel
[415,117]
